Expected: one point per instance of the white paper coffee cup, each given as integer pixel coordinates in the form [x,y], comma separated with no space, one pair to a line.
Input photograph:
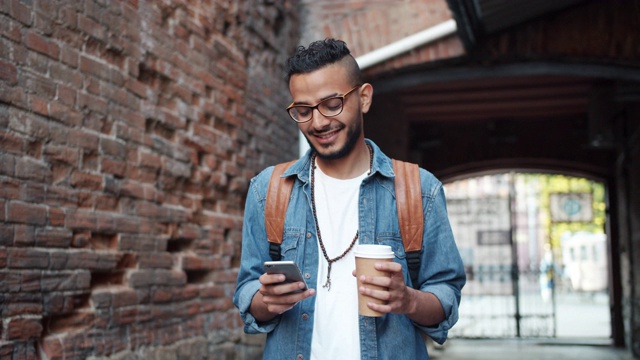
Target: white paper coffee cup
[366,256]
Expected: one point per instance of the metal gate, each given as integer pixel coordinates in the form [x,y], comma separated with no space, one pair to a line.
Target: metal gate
[507,293]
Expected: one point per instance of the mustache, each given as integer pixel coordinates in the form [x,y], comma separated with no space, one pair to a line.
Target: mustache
[326,129]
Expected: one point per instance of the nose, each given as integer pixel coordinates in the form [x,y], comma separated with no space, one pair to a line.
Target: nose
[318,120]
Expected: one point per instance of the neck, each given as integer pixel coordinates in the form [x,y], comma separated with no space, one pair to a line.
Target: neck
[350,166]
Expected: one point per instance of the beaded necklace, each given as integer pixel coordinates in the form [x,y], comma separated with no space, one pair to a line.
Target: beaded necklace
[315,218]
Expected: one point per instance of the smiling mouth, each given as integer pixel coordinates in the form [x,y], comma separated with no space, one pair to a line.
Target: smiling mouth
[326,133]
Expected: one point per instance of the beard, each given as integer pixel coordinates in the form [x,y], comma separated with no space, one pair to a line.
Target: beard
[353,134]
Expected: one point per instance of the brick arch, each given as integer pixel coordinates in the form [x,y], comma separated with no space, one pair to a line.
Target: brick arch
[527,165]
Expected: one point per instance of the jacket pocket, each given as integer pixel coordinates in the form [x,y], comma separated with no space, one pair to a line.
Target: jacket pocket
[394,240]
[290,241]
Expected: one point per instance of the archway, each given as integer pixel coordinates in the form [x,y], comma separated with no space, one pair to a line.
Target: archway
[535,253]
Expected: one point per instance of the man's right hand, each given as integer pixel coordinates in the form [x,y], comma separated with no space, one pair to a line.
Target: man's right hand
[276,296]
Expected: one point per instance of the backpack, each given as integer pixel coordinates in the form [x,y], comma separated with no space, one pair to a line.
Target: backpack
[408,201]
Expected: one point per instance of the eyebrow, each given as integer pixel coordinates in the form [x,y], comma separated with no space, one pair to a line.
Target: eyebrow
[321,100]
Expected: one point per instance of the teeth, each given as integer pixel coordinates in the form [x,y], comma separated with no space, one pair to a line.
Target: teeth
[326,135]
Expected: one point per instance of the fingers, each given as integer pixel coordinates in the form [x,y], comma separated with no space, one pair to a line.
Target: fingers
[279,296]
[389,291]
[388,266]
[279,304]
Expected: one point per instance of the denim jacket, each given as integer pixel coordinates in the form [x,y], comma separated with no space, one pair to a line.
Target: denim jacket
[392,336]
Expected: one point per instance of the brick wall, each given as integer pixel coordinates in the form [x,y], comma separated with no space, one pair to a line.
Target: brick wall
[129,130]
[366,25]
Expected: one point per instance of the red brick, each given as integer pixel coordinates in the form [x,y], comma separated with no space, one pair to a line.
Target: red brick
[23,304]
[27,168]
[156,260]
[11,143]
[53,237]
[93,67]
[69,56]
[26,213]
[91,102]
[85,259]
[137,88]
[23,328]
[13,95]
[24,236]
[91,27]
[64,114]
[8,73]
[66,75]
[192,262]
[123,316]
[67,94]
[38,43]
[27,259]
[113,148]
[20,12]
[11,30]
[6,238]
[75,281]
[63,154]
[119,96]
[33,192]
[56,217]
[7,166]
[107,203]
[126,224]
[122,297]
[109,166]
[138,243]
[2,211]
[84,180]
[90,161]
[161,295]
[61,196]
[146,278]
[150,160]
[81,220]
[133,118]
[39,105]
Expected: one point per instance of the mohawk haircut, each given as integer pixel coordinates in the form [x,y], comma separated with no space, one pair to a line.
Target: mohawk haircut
[320,54]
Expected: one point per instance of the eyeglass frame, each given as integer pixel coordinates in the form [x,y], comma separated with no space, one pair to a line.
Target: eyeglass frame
[316,106]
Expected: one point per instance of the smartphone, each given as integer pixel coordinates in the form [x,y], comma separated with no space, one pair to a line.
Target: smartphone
[290,270]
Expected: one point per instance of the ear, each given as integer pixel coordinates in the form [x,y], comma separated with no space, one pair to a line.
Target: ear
[366,97]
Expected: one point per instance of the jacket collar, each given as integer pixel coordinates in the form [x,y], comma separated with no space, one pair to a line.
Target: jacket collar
[381,164]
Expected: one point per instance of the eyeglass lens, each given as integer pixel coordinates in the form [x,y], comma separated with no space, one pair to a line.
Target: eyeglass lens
[329,107]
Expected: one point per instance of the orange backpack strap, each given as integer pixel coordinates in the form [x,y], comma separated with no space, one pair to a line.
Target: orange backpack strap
[275,209]
[410,213]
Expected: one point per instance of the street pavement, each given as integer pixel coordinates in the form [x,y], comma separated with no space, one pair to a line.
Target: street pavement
[583,329]
[464,349]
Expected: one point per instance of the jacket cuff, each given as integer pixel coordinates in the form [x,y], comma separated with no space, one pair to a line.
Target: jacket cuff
[251,325]
[449,304]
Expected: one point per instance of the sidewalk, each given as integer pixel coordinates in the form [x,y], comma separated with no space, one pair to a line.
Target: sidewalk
[463,349]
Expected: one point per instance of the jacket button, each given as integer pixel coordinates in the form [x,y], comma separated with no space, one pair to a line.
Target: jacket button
[308,235]
[305,316]
[307,276]
[300,357]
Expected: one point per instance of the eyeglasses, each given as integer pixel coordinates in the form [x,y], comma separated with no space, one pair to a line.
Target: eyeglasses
[328,107]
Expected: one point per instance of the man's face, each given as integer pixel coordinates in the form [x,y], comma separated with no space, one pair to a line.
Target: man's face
[330,137]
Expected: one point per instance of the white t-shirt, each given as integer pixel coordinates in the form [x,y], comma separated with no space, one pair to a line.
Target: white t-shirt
[335,327]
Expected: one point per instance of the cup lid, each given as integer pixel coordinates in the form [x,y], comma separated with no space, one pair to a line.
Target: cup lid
[373,251]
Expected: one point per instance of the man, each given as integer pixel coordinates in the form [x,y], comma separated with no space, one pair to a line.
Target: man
[343,194]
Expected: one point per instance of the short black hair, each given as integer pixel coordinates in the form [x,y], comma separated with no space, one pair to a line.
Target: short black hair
[322,53]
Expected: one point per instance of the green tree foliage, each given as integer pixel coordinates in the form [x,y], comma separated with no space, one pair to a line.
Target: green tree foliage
[553,183]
